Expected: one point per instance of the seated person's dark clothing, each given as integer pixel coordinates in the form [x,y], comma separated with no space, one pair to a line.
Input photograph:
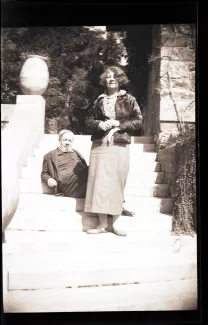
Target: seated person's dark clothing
[70,171]
[72,175]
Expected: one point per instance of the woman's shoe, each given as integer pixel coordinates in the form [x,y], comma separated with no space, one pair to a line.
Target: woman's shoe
[97,231]
[127,213]
[119,232]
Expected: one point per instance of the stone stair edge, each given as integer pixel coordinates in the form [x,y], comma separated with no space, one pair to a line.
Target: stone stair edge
[145,235]
[57,258]
[136,297]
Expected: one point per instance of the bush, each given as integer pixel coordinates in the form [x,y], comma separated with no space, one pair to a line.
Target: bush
[184,211]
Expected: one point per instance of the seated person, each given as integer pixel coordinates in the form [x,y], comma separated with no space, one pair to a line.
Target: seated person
[64,168]
[65,171]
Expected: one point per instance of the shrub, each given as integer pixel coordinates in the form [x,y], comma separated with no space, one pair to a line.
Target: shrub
[184,211]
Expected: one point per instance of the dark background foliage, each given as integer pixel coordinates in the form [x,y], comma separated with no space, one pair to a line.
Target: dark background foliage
[76,58]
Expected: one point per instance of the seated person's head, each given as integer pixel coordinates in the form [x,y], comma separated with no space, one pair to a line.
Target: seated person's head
[66,138]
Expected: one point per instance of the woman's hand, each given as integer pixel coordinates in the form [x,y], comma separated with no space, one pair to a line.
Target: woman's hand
[108,124]
[105,125]
[114,123]
[111,133]
[52,182]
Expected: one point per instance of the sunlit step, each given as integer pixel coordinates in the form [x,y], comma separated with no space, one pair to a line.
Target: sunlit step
[39,202]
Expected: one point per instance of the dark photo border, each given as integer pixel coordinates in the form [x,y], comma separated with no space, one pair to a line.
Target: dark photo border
[29,14]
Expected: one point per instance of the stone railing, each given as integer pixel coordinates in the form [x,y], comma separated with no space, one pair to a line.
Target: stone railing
[6,114]
[22,134]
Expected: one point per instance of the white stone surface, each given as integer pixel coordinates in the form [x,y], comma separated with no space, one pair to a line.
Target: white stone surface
[59,270]
[62,255]
[77,222]
[171,295]
[22,134]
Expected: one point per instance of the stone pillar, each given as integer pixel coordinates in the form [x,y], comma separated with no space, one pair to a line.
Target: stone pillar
[39,101]
[177,79]
[171,93]
[6,113]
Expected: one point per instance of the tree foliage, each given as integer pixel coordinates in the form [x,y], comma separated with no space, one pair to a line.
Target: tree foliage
[138,44]
[76,57]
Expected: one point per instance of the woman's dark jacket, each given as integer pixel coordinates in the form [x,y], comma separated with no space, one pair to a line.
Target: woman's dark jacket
[127,112]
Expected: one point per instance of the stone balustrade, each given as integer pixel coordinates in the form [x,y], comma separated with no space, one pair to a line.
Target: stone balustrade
[22,134]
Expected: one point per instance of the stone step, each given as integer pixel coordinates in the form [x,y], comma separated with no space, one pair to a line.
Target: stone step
[138,179]
[156,190]
[135,154]
[78,222]
[142,205]
[86,138]
[139,159]
[83,144]
[59,270]
[135,190]
[146,205]
[85,148]
[149,177]
[142,167]
[136,297]
[148,241]
[142,139]
[77,243]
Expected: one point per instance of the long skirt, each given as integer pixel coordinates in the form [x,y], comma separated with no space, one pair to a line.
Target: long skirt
[107,176]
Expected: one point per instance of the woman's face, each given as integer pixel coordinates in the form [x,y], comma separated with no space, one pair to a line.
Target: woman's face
[111,82]
[66,142]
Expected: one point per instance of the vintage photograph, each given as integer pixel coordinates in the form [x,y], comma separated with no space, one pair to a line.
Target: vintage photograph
[98,129]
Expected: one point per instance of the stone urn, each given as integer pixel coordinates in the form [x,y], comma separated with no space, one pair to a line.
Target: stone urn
[34,75]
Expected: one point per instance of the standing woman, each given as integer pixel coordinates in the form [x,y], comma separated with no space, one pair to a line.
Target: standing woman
[115,115]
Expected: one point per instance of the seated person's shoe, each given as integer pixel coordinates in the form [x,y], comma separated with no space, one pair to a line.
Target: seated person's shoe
[97,231]
[127,213]
[119,232]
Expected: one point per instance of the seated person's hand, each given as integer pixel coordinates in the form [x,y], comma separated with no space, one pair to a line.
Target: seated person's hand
[52,182]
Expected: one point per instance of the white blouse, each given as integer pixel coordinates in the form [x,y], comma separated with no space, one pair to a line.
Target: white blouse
[109,106]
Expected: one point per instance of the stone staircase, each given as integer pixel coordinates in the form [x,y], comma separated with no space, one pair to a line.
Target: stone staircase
[52,265]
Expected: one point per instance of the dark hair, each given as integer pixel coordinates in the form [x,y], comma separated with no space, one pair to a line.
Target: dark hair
[119,74]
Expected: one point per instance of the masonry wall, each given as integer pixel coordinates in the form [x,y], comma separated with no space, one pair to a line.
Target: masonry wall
[171,93]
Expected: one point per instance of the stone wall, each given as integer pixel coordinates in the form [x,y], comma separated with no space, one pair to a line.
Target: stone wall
[171,93]
[167,158]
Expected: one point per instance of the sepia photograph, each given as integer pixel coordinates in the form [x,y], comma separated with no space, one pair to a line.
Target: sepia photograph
[99,191]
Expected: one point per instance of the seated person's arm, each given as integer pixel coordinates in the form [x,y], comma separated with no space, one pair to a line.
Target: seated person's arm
[45,177]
